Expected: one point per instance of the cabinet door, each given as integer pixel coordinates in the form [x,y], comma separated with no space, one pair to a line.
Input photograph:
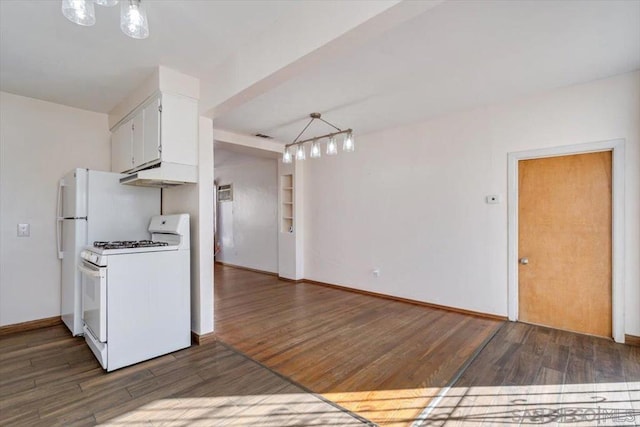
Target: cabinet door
[138,139]
[152,131]
[121,148]
[179,129]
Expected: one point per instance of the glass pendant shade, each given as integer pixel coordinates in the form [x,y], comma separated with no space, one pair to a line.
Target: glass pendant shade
[133,19]
[81,12]
[300,153]
[106,3]
[349,143]
[315,151]
[286,156]
[332,147]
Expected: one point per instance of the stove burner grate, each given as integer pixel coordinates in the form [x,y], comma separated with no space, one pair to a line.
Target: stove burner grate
[127,244]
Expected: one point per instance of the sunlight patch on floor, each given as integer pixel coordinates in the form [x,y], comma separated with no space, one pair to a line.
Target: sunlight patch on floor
[300,409]
[614,404]
[386,407]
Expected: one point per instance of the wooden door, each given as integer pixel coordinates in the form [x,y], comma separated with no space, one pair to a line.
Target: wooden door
[564,217]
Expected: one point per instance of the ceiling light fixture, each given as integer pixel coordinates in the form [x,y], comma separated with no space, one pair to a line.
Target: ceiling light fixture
[315,152]
[79,12]
[133,15]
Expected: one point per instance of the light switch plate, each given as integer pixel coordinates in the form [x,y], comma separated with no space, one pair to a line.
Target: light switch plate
[24,230]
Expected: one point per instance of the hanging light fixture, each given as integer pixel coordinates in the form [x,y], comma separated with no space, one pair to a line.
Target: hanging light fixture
[133,15]
[316,150]
[80,12]
[348,144]
[106,3]
[286,156]
[332,146]
[300,153]
[133,19]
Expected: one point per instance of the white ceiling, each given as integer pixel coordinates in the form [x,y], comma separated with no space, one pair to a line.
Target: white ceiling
[460,54]
[43,55]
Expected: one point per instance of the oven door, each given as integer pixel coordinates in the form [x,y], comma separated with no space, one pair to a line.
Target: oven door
[94,299]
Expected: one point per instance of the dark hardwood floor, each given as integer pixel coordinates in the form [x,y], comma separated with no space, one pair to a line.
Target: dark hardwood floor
[48,378]
[530,374]
[380,358]
[391,362]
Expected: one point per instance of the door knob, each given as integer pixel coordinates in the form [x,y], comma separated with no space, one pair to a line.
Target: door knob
[524,261]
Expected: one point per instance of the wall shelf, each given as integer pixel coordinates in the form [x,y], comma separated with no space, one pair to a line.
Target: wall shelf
[286,208]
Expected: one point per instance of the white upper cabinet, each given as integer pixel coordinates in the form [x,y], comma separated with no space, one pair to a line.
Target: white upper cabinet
[179,129]
[163,129]
[121,145]
[138,139]
[151,131]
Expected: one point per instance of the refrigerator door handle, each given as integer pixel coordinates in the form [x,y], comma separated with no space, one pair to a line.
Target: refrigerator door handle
[59,220]
[59,237]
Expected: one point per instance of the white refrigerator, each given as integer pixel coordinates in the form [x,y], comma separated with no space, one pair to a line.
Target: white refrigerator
[94,206]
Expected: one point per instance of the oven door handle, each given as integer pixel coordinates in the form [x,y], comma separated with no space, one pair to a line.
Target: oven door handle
[91,272]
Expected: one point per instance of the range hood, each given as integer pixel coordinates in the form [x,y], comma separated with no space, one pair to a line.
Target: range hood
[163,175]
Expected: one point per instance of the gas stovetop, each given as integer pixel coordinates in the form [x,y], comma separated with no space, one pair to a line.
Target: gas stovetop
[97,253]
[128,244]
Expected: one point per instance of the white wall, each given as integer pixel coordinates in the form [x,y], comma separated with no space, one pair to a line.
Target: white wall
[248,226]
[197,201]
[410,200]
[39,143]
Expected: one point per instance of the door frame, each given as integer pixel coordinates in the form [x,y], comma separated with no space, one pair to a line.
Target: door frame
[616,146]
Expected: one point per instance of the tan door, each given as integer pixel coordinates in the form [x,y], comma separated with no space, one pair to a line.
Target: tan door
[565,242]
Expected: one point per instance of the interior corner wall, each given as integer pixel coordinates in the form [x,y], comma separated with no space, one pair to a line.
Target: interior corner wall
[411,200]
[197,201]
[39,143]
[248,225]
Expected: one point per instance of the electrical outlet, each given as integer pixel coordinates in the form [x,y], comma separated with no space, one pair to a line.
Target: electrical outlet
[24,230]
[376,272]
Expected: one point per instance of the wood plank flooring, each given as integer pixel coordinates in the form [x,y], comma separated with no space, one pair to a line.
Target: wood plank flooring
[534,375]
[48,378]
[380,358]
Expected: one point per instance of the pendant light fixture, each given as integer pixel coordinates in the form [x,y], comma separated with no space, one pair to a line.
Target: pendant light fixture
[133,19]
[79,12]
[133,15]
[332,146]
[348,143]
[300,153]
[286,156]
[316,150]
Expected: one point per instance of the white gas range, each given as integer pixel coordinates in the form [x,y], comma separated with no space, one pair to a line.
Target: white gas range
[136,294]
